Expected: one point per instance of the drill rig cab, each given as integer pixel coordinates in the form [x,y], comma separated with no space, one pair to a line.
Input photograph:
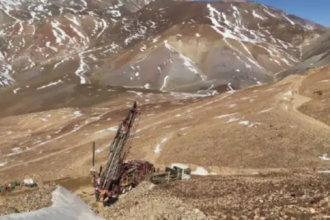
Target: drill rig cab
[183,171]
[176,171]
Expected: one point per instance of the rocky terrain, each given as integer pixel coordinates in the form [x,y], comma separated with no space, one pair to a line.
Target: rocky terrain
[267,197]
[150,206]
[279,127]
[26,201]
[315,54]
[259,127]
[122,43]
[204,76]
[259,196]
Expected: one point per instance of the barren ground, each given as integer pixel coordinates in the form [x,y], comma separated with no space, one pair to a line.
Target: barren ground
[273,135]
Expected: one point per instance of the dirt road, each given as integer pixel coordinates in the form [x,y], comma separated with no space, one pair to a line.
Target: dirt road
[291,100]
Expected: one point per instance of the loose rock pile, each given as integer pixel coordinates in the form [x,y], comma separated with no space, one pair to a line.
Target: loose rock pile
[292,197]
[286,196]
[144,203]
[27,201]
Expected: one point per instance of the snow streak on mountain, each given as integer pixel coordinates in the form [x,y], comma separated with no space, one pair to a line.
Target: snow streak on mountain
[204,47]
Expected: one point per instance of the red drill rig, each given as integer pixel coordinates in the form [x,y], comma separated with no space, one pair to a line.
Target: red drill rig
[118,176]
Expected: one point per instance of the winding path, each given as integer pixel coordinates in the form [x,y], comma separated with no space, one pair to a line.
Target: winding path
[296,100]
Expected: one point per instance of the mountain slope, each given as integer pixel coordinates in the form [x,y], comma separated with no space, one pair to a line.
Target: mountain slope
[254,53]
[175,46]
[279,125]
[315,54]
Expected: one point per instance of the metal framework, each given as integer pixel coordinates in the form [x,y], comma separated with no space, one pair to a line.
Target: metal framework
[115,171]
[118,176]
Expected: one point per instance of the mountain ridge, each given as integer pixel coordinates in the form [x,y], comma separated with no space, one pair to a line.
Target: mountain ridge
[69,71]
[105,43]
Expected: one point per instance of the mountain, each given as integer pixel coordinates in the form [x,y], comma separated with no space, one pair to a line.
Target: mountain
[70,69]
[315,54]
[160,45]
[283,125]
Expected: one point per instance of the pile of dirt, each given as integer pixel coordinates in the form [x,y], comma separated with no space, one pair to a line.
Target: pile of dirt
[145,203]
[26,200]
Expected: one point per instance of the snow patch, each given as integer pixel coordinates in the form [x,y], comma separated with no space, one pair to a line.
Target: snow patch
[200,171]
[98,150]
[254,124]
[15,90]
[77,114]
[226,115]
[232,120]
[254,13]
[288,19]
[266,110]
[2,164]
[244,123]
[158,148]
[229,86]
[82,69]
[269,13]
[324,157]
[16,149]
[115,128]
[164,83]
[50,84]
[137,93]
[289,93]
[186,61]
[185,128]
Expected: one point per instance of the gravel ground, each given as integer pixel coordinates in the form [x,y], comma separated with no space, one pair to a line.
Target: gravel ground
[271,196]
[144,202]
[26,201]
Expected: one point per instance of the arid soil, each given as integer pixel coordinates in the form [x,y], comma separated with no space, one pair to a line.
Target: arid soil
[26,200]
[285,195]
[272,196]
[69,71]
[266,144]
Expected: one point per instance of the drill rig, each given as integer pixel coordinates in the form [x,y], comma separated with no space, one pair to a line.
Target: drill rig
[118,176]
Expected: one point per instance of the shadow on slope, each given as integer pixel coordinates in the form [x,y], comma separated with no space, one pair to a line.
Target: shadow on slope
[30,99]
[316,54]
